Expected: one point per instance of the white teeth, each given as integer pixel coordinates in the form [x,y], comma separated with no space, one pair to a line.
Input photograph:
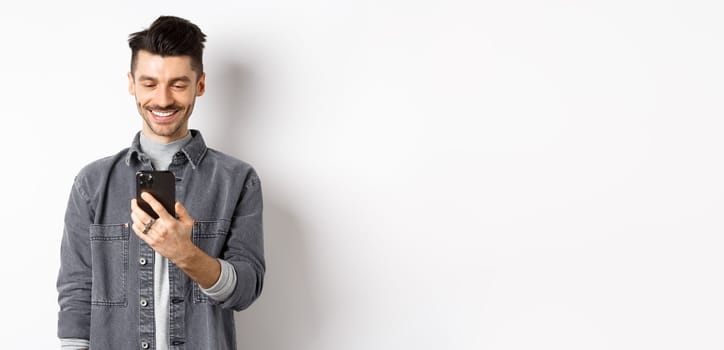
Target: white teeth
[162,114]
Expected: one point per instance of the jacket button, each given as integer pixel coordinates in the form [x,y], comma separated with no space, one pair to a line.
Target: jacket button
[144,302]
[144,345]
[142,261]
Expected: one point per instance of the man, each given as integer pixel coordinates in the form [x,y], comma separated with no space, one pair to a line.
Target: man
[129,282]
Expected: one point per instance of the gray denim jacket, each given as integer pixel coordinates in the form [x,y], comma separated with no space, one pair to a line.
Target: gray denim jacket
[105,282]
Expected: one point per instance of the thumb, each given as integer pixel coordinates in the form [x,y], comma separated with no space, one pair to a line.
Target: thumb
[182,214]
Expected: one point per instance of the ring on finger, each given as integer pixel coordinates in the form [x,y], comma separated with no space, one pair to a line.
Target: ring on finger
[148,225]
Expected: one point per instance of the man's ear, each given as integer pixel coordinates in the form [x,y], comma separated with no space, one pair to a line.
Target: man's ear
[201,85]
[131,85]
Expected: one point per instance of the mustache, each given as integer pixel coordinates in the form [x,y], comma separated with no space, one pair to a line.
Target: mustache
[169,108]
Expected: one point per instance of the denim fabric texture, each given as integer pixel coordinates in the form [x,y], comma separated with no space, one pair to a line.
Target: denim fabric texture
[105,282]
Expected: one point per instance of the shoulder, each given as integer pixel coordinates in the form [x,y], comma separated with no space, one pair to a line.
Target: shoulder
[100,169]
[226,161]
[103,165]
[232,166]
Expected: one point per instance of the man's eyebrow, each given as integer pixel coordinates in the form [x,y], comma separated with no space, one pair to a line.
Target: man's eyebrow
[173,80]
[183,79]
[146,77]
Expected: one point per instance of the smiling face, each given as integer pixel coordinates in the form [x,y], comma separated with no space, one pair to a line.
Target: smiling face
[165,89]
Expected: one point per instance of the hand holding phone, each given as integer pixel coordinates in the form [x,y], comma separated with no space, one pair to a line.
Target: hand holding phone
[161,184]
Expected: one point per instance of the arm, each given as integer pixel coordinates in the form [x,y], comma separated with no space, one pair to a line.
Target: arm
[226,284]
[74,277]
[245,246]
[171,238]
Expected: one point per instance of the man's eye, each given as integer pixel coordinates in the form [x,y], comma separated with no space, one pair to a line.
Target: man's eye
[179,86]
[148,85]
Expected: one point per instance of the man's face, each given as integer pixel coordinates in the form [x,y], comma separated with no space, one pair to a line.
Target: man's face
[165,89]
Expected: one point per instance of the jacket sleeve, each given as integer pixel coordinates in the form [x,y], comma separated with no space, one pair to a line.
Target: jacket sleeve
[245,246]
[74,276]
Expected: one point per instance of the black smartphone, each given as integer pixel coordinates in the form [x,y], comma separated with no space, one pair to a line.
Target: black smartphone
[161,185]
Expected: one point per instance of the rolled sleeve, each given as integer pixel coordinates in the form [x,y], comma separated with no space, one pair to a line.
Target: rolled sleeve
[226,284]
[245,250]
[74,344]
[74,277]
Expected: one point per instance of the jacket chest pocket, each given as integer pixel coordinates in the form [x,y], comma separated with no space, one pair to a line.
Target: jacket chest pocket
[211,237]
[109,255]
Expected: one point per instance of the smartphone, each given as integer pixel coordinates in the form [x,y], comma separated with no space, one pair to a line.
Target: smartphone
[161,185]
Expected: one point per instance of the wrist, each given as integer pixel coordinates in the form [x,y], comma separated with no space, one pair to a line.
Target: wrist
[188,254]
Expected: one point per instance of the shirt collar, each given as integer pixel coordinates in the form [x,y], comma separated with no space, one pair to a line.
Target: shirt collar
[194,150]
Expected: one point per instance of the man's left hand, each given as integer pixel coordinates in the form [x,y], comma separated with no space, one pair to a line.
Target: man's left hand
[167,235]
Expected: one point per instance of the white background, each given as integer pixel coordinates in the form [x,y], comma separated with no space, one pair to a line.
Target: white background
[437,174]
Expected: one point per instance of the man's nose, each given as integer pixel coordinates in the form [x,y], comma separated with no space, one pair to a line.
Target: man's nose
[164,97]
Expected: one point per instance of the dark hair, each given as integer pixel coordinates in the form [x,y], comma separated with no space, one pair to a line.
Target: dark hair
[170,36]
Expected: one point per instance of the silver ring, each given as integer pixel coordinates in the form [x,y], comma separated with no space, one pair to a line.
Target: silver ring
[148,226]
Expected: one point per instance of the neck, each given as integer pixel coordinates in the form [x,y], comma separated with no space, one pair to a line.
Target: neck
[162,154]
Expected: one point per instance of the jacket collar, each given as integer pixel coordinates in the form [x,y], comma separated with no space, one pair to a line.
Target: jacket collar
[194,151]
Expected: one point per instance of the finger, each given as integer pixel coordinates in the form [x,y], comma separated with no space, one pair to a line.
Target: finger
[183,214]
[139,221]
[135,209]
[147,231]
[137,214]
[156,206]
[135,218]
[134,206]
[138,230]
